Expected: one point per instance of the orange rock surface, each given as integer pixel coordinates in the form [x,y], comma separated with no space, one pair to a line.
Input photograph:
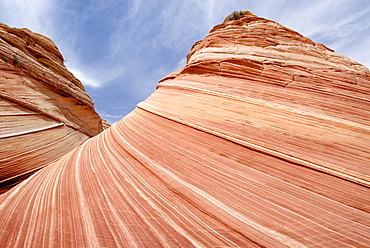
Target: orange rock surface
[261,140]
[44,110]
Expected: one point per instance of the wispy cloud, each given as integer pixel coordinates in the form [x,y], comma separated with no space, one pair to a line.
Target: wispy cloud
[94,77]
[36,15]
[86,79]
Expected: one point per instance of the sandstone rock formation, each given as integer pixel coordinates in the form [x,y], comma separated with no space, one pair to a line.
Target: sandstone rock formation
[44,110]
[261,140]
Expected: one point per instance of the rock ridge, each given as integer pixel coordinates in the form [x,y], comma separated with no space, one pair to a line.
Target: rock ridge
[44,110]
[34,57]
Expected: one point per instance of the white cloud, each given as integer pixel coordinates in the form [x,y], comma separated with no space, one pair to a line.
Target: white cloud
[181,63]
[112,116]
[120,31]
[94,77]
[85,78]
[37,15]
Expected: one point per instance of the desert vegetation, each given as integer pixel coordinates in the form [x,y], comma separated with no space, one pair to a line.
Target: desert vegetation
[236,15]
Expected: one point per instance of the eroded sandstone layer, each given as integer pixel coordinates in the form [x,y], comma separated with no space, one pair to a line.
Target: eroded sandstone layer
[44,110]
[261,140]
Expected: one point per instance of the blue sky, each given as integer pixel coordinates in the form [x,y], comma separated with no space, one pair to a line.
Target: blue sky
[120,49]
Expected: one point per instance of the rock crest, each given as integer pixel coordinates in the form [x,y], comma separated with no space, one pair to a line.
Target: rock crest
[44,110]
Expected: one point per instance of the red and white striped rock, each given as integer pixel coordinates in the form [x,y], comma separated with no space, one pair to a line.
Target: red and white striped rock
[44,110]
[249,145]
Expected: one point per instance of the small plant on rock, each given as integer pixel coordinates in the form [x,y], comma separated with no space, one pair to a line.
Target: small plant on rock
[16,60]
[236,15]
[5,59]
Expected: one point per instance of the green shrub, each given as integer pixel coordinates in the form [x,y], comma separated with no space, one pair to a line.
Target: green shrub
[5,59]
[16,60]
[236,15]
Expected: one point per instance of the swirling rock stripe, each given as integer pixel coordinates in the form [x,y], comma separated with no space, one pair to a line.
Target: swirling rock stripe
[180,187]
[30,141]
